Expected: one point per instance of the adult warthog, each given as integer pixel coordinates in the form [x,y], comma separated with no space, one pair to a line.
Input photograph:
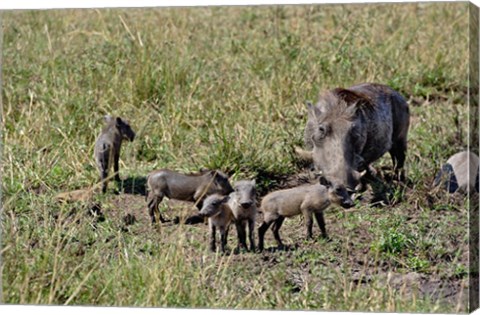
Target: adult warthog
[350,128]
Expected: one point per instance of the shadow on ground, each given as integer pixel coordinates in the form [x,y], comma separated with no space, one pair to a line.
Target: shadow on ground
[134,185]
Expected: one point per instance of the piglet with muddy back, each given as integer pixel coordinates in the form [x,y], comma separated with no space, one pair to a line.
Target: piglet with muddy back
[348,129]
[187,187]
[108,145]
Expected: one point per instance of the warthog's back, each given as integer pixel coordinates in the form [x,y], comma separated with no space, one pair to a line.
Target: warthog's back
[288,202]
[387,99]
[175,185]
[379,119]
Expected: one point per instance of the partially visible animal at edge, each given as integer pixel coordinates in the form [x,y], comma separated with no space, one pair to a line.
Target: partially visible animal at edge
[308,200]
[108,145]
[460,173]
[188,187]
[348,129]
[220,216]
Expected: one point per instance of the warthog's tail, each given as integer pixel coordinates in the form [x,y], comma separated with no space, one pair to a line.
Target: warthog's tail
[304,154]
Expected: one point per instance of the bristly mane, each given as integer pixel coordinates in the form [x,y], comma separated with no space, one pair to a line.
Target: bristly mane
[201,172]
[337,103]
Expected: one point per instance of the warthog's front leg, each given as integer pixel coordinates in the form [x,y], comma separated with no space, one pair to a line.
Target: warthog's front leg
[213,232]
[308,223]
[397,152]
[223,237]
[104,180]
[276,229]
[241,233]
[321,223]
[251,232]
[153,201]
[261,233]
[116,158]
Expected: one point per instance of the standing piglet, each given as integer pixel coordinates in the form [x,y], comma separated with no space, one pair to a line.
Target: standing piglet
[242,202]
[348,129]
[187,187]
[107,147]
[308,200]
[220,216]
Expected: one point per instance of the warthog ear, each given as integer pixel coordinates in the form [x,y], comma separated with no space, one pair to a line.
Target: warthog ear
[313,111]
[325,182]
[353,99]
[322,130]
[351,110]
[107,118]
[119,121]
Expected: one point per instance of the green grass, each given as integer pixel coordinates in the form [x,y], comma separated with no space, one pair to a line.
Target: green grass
[224,87]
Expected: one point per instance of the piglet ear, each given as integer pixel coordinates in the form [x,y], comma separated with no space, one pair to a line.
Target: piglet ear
[107,118]
[351,110]
[119,121]
[313,111]
[254,182]
[325,182]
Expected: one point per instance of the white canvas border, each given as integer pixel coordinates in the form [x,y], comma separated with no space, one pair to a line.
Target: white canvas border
[80,310]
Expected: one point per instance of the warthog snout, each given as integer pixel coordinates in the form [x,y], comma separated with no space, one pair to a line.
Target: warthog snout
[347,203]
[125,129]
[222,183]
[246,205]
[338,193]
[129,134]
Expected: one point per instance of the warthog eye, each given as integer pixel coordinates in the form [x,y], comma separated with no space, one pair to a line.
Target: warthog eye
[322,131]
[338,190]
